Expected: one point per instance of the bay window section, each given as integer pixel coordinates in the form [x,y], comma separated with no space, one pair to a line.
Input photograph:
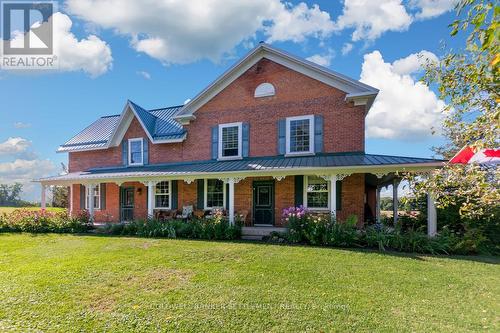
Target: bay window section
[215,193]
[162,195]
[317,193]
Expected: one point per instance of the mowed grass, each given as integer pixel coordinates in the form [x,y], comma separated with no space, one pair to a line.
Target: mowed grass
[8,210]
[96,283]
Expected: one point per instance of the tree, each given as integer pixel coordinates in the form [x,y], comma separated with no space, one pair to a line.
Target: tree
[60,196]
[468,81]
[10,194]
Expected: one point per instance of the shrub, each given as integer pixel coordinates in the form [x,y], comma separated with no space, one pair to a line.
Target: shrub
[216,228]
[42,221]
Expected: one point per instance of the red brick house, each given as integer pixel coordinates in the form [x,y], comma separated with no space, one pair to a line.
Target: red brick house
[273,131]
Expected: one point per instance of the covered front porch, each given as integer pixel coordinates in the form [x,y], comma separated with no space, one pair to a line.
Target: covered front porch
[253,192]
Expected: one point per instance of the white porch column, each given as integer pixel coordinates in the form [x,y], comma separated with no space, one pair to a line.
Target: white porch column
[150,199]
[377,205]
[333,195]
[71,200]
[395,201]
[431,216]
[231,200]
[91,200]
[43,199]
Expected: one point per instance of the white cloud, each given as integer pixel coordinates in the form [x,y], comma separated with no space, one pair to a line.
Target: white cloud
[91,55]
[432,8]
[370,19]
[347,48]
[20,124]
[404,108]
[414,62]
[322,59]
[14,146]
[297,23]
[144,74]
[24,172]
[178,31]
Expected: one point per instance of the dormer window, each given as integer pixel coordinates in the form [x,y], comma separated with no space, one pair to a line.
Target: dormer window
[264,90]
[230,137]
[135,151]
[300,135]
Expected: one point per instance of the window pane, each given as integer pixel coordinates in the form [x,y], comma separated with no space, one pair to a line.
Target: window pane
[317,192]
[136,151]
[215,193]
[230,141]
[299,135]
[162,195]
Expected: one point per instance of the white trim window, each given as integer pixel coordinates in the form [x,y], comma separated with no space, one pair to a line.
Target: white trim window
[316,193]
[215,193]
[230,140]
[300,135]
[136,151]
[163,196]
[97,196]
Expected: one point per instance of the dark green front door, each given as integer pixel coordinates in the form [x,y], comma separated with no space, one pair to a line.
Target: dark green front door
[263,202]
[126,204]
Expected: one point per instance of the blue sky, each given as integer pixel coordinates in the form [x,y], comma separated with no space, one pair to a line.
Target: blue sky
[42,109]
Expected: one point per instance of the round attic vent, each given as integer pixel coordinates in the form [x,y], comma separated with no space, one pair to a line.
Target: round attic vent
[264,89]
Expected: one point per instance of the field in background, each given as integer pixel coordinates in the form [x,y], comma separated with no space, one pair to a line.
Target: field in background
[8,210]
[61,283]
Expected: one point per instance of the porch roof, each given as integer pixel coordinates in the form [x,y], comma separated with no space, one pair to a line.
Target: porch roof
[256,166]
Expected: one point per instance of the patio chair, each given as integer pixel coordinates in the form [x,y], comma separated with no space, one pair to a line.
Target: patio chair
[187,212]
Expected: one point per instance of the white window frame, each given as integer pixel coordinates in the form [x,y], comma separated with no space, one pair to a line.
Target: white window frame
[205,195]
[306,185]
[97,198]
[311,135]
[130,151]
[169,195]
[240,141]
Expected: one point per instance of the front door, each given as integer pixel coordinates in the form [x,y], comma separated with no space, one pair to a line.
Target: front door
[126,204]
[263,202]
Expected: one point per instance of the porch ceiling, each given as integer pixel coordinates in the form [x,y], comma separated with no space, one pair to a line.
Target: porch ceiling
[341,163]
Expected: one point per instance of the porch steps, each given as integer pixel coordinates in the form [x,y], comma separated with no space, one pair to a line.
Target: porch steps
[257,233]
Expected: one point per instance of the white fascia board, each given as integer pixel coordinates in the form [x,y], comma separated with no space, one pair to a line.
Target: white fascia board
[158,176]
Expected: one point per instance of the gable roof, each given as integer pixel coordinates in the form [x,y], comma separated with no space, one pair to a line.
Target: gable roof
[360,93]
[108,131]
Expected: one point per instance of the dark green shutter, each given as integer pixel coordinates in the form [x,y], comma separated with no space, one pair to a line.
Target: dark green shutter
[103,196]
[318,134]
[245,134]
[227,196]
[145,151]
[281,137]
[82,196]
[174,194]
[200,194]
[125,152]
[339,195]
[215,142]
[299,191]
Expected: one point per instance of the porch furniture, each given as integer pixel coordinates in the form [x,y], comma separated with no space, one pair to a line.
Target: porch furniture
[199,213]
[187,212]
[242,215]
[164,215]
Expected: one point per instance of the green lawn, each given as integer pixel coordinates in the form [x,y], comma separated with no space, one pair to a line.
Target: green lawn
[96,283]
[8,210]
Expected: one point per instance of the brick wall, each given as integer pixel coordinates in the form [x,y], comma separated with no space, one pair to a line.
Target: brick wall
[353,196]
[296,94]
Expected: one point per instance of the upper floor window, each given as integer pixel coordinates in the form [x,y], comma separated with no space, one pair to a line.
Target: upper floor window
[162,195]
[96,192]
[300,135]
[264,89]
[135,151]
[215,193]
[230,138]
[316,193]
